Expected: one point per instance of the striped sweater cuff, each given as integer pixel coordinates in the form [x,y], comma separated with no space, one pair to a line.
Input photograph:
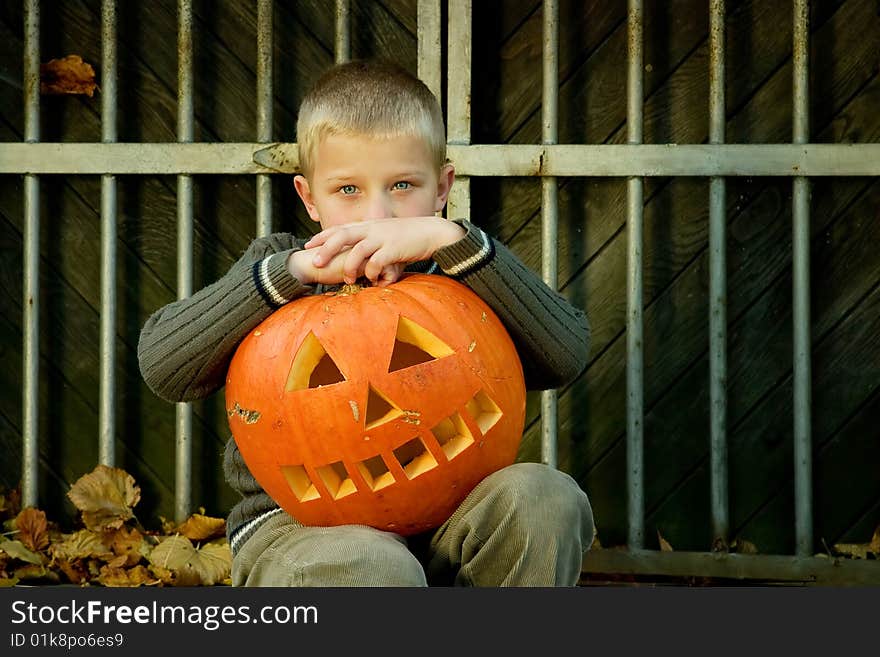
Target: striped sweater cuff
[273,281]
[470,253]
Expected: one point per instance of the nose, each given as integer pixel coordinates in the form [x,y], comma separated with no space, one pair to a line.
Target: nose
[378,207]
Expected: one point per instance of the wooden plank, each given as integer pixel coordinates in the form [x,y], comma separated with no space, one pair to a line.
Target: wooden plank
[747,568]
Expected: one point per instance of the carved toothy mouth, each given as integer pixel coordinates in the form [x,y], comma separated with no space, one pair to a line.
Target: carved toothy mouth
[451,437]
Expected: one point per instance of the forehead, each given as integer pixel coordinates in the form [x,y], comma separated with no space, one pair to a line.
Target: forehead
[341,154]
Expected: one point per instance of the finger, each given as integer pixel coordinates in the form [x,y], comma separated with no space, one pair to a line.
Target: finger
[379,262]
[356,260]
[333,244]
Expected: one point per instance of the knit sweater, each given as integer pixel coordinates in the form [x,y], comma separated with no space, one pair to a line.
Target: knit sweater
[185,347]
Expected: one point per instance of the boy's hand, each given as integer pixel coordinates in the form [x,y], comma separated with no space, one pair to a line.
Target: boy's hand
[379,249]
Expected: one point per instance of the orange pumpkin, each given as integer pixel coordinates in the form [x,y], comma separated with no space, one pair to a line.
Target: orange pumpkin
[377,406]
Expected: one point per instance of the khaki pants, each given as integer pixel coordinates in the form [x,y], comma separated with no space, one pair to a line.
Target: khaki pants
[525,525]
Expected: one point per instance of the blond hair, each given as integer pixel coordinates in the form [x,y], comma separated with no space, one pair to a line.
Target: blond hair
[369,97]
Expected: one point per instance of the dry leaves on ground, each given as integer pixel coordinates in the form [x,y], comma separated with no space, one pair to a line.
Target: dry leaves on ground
[112,549]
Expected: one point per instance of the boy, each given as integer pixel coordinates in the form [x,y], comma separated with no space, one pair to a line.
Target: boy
[374,176]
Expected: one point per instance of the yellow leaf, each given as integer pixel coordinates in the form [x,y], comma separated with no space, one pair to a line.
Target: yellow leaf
[32,529]
[128,542]
[105,496]
[875,542]
[853,550]
[664,544]
[204,566]
[200,527]
[36,571]
[117,577]
[17,550]
[82,544]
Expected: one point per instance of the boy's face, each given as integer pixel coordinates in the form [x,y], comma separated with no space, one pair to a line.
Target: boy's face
[357,177]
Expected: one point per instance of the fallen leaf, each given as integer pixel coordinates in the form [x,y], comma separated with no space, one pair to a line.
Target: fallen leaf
[74,570]
[17,550]
[853,550]
[200,527]
[32,529]
[117,577]
[130,543]
[36,571]
[68,75]
[742,546]
[81,545]
[664,544]
[105,497]
[208,565]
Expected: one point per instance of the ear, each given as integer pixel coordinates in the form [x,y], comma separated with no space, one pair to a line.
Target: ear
[305,194]
[444,184]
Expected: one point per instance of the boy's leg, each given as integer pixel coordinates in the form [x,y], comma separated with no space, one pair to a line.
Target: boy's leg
[525,525]
[285,553]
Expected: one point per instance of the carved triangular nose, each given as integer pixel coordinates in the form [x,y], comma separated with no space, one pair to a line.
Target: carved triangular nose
[379,409]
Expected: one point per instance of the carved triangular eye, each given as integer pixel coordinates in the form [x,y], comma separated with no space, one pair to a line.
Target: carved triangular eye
[312,367]
[414,345]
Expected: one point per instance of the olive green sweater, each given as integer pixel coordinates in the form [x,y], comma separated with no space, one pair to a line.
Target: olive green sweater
[185,347]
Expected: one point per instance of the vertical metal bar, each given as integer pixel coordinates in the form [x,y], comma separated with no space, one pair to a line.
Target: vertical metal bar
[717,284]
[634,343]
[458,86]
[429,29]
[264,111]
[185,133]
[31,301]
[549,206]
[342,44]
[803,492]
[107,419]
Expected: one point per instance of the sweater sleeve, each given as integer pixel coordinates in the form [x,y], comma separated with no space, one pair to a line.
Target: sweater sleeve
[551,336]
[185,347]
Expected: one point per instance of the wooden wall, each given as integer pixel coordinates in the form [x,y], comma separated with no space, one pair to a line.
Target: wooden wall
[845,60]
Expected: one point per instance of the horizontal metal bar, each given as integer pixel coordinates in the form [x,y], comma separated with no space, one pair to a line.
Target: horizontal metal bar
[469,160]
[756,567]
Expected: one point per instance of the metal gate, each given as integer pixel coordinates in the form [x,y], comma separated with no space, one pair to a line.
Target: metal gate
[799,160]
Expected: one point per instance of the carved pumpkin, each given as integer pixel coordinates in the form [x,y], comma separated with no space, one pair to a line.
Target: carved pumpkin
[377,406]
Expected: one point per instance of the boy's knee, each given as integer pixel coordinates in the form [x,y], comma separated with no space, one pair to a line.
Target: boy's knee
[545,499]
[354,555]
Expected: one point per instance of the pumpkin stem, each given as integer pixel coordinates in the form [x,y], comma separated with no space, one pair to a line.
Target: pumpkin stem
[354,288]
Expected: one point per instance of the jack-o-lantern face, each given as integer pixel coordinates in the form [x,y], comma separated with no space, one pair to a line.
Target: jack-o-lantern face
[381,406]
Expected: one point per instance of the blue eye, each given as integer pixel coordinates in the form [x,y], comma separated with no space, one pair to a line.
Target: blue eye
[348,189]
[403,184]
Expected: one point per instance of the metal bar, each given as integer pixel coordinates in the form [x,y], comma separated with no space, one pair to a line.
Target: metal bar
[342,43]
[264,111]
[756,567]
[185,132]
[429,54]
[31,301]
[717,286]
[523,160]
[107,414]
[550,206]
[803,492]
[634,297]
[458,129]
